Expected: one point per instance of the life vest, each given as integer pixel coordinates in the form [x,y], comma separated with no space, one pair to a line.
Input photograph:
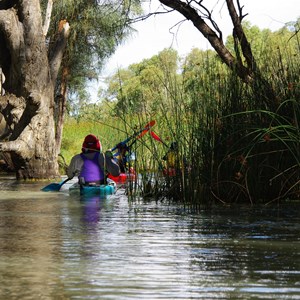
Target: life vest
[91,171]
[171,159]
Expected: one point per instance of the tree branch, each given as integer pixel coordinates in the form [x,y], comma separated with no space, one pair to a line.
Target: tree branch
[47,17]
[216,42]
[12,30]
[58,49]
[239,32]
[191,14]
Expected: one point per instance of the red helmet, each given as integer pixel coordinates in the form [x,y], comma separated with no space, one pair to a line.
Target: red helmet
[91,143]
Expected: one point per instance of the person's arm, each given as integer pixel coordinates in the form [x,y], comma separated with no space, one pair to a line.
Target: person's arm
[75,166]
[112,166]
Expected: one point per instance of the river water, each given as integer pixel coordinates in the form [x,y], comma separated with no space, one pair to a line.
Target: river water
[57,246]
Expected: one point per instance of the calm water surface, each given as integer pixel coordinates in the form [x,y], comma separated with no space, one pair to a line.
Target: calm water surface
[57,246]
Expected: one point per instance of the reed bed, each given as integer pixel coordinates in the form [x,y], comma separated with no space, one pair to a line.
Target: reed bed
[236,143]
[235,150]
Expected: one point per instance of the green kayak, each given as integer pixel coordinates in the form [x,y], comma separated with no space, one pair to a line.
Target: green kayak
[101,190]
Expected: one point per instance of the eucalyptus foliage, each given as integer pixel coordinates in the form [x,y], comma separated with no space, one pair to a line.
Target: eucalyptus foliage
[97,28]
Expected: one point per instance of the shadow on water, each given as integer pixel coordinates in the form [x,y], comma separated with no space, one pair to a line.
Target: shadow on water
[62,246]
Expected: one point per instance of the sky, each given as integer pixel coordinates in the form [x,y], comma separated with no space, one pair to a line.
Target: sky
[154,34]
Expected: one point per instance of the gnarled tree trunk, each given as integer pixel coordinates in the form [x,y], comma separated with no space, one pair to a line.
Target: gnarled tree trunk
[28,102]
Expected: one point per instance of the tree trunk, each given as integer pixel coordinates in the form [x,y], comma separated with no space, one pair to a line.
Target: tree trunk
[61,106]
[28,102]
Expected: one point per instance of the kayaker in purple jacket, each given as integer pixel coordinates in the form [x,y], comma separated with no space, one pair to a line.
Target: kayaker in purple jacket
[91,165]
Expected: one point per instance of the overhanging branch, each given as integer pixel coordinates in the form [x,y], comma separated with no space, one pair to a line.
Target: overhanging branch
[239,32]
[191,14]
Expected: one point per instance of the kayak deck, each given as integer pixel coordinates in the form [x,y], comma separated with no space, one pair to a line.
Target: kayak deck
[102,190]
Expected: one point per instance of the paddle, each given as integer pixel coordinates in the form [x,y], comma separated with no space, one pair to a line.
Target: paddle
[157,138]
[54,187]
[137,134]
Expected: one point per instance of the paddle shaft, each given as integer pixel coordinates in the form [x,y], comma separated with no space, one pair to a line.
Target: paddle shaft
[138,134]
[66,180]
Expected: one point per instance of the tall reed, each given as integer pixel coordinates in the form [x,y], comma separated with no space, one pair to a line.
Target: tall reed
[233,144]
[234,150]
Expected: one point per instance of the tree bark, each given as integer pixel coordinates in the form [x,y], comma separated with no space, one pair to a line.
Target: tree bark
[28,102]
[61,107]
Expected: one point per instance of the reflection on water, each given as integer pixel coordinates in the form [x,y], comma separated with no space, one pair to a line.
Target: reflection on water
[54,246]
